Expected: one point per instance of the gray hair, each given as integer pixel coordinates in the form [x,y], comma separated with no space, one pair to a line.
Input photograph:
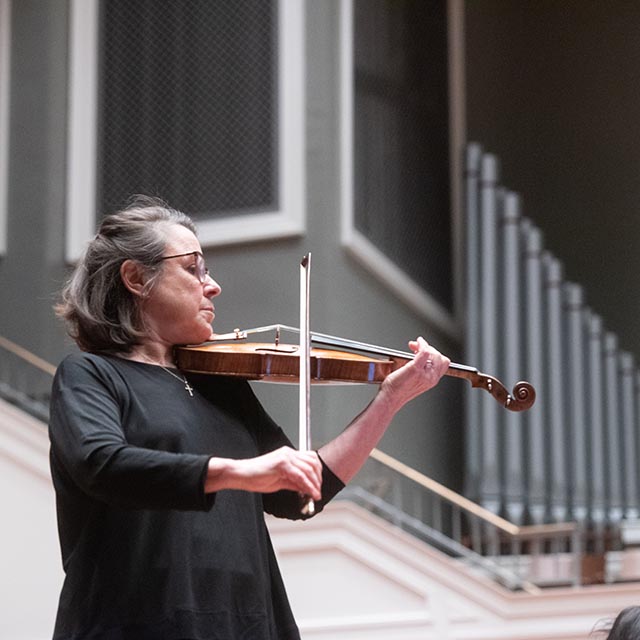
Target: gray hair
[100,313]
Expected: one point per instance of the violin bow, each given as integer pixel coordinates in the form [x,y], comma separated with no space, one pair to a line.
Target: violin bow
[304,415]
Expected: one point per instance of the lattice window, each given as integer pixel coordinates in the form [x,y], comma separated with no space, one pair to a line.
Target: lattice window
[188,98]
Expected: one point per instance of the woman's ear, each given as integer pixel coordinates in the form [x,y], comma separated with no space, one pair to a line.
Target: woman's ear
[133,277]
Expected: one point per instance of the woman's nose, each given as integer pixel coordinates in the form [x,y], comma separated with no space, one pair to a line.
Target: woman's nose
[211,287]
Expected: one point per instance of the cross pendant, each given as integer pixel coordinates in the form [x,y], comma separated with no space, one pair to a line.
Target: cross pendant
[188,387]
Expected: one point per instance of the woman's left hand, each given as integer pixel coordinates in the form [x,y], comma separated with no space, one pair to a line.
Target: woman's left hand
[417,376]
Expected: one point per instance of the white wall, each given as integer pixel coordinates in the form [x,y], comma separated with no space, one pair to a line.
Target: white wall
[30,565]
[352,576]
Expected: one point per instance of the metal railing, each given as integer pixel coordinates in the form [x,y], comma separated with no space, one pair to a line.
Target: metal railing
[518,557]
[25,379]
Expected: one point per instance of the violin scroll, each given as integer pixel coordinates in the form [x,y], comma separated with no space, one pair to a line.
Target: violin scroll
[524,395]
[522,398]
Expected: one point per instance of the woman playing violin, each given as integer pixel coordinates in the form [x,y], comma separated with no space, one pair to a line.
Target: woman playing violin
[162,477]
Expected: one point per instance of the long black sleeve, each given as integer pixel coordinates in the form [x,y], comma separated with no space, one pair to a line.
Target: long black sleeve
[95,443]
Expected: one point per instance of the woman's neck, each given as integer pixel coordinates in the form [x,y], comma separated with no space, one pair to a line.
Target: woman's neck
[152,354]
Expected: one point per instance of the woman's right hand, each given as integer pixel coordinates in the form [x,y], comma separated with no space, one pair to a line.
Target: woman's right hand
[284,468]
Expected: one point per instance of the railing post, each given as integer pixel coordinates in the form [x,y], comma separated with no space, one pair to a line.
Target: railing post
[576,553]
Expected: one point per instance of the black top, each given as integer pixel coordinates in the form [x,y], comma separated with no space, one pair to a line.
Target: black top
[146,553]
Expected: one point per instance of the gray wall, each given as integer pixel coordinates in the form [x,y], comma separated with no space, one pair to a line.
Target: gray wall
[32,269]
[553,90]
[259,281]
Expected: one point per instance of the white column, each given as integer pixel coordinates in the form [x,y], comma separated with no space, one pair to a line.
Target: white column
[473,433]
[490,492]
[577,440]
[534,423]
[510,355]
[555,384]
[597,462]
[612,427]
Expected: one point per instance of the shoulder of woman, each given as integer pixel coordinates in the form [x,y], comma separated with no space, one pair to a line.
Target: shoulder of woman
[82,360]
[81,365]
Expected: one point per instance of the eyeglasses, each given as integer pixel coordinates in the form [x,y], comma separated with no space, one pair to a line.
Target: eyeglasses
[201,271]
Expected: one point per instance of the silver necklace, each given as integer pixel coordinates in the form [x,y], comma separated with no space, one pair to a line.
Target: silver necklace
[182,378]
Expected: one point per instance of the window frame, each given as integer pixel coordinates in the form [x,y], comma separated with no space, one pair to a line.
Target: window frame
[5,94]
[356,244]
[289,219]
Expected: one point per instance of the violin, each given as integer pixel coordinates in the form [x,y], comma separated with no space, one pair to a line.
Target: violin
[332,360]
[320,359]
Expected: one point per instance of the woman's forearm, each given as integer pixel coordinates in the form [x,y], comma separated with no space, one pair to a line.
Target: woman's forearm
[346,454]
[284,468]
